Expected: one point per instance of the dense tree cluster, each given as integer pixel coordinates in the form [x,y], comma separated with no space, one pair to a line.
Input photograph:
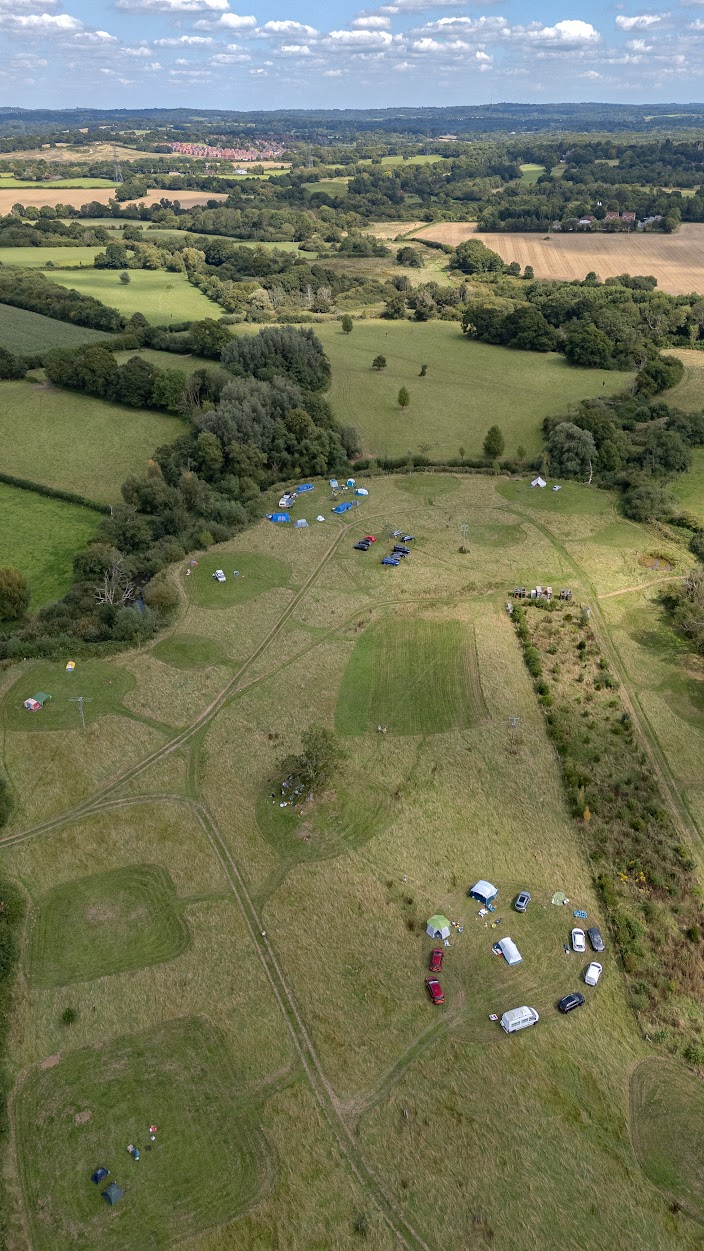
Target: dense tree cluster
[34,291]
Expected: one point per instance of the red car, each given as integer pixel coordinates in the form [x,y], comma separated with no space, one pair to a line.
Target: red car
[434,990]
[369,538]
[437,956]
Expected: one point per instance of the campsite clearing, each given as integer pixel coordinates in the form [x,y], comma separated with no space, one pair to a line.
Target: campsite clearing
[330,1086]
[79,443]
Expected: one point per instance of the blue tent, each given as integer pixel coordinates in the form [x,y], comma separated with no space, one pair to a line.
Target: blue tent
[307,486]
[278,517]
[342,508]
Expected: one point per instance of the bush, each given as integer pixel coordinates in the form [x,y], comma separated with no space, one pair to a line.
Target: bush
[14,594]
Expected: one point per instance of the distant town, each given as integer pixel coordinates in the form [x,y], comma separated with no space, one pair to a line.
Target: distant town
[270,153]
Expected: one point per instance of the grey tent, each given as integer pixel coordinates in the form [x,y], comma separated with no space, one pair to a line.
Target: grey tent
[112,1194]
[483,892]
[510,951]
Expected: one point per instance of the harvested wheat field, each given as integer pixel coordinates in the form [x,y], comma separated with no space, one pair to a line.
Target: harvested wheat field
[677,260]
[51,195]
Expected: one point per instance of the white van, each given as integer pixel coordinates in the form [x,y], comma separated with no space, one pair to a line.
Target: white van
[518,1018]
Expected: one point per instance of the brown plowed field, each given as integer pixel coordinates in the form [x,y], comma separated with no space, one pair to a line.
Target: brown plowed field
[85,195]
[677,261]
[389,230]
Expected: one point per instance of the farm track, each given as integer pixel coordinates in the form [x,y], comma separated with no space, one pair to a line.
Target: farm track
[103,800]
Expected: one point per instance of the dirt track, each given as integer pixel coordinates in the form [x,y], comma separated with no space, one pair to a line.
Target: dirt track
[677,260]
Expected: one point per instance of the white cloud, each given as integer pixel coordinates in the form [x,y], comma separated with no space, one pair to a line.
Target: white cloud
[141,51]
[333,73]
[420,6]
[172,6]
[230,21]
[183,40]
[230,58]
[449,27]
[359,39]
[403,66]
[571,33]
[39,23]
[94,37]
[16,5]
[373,22]
[288,28]
[643,22]
[295,49]
[639,45]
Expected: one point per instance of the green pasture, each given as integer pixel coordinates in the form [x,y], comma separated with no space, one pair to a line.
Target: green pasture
[468,388]
[257,573]
[40,536]
[104,687]
[160,296]
[571,498]
[169,360]
[106,923]
[334,186]
[77,443]
[25,332]
[8,183]
[530,172]
[413,677]
[689,393]
[207,1165]
[688,488]
[189,651]
[667,1109]
[39,258]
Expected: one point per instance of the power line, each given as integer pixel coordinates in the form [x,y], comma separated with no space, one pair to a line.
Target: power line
[81,700]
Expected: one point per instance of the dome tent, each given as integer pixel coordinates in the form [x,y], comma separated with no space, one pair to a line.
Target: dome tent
[438,926]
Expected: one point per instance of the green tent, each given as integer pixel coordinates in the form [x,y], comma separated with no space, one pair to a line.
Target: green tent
[112,1194]
[41,697]
[438,926]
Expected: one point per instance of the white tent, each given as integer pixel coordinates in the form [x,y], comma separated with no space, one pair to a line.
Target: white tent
[539,482]
[510,951]
[483,892]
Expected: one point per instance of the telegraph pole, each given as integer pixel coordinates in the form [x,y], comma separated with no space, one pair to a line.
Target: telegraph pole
[81,700]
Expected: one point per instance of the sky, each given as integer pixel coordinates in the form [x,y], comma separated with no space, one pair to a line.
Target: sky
[299,54]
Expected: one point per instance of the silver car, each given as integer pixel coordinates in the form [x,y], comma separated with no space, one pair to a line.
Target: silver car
[522,901]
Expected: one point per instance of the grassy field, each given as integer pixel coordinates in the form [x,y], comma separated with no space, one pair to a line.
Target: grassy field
[249,978]
[39,258]
[689,393]
[531,172]
[78,443]
[40,536]
[38,196]
[22,331]
[675,260]
[469,387]
[7,182]
[161,297]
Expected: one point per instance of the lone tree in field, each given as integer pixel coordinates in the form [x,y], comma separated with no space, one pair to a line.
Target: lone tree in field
[347,324]
[494,443]
[423,371]
[125,278]
[404,397]
[529,273]
[379,362]
[315,765]
[14,594]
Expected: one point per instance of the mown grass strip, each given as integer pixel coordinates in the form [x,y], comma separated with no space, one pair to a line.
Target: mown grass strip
[643,871]
[12,907]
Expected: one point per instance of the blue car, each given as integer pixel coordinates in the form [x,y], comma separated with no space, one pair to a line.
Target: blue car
[390,560]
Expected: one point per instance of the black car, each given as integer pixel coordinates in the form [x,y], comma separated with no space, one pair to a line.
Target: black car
[362,547]
[594,936]
[575,1000]
[400,550]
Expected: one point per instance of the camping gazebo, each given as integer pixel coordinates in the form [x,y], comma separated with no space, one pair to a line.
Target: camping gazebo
[438,927]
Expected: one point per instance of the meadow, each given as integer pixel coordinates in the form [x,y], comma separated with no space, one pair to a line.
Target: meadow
[39,258]
[8,183]
[42,535]
[469,387]
[249,978]
[76,443]
[25,332]
[160,296]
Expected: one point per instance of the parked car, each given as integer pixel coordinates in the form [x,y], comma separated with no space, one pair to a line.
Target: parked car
[434,990]
[401,550]
[369,538]
[519,1018]
[593,973]
[522,901]
[579,942]
[390,560]
[437,956]
[407,538]
[575,1000]
[219,575]
[595,939]
[361,547]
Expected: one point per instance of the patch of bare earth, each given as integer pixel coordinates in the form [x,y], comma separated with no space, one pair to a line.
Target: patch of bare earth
[51,1061]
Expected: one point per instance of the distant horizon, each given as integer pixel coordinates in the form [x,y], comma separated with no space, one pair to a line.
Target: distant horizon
[279,53]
